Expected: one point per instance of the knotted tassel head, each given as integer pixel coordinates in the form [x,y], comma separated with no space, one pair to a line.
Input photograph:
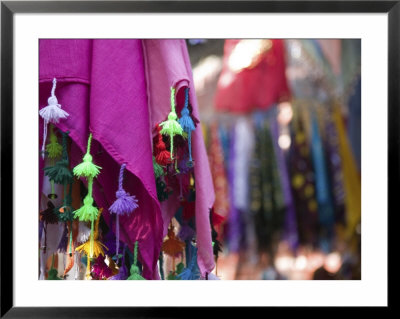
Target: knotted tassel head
[186,121]
[192,271]
[93,248]
[160,150]
[60,172]
[125,203]
[87,168]
[47,215]
[171,127]
[53,149]
[87,212]
[172,246]
[52,113]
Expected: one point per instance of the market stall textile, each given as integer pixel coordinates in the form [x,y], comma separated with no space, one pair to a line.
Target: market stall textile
[261,80]
[102,84]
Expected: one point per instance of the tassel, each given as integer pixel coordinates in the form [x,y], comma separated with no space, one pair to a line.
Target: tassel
[53,149]
[87,212]
[60,173]
[93,247]
[70,256]
[122,274]
[62,246]
[47,215]
[172,246]
[123,271]
[87,168]
[171,127]
[123,205]
[84,233]
[65,212]
[51,113]
[173,275]
[188,126]
[160,150]
[134,268]
[186,232]
[158,170]
[53,273]
[192,271]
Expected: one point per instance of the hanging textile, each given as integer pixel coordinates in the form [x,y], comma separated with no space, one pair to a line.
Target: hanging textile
[100,83]
[249,65]
[168,65]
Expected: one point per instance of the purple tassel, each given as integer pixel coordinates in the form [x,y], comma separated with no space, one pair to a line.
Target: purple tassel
[123,205]
[183,168]
[62,246]
[109,242]
[122,275]
[186,232]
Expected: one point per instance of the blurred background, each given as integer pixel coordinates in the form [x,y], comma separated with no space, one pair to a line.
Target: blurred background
[281,120]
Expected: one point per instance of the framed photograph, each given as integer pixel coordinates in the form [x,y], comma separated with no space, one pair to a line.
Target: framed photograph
[253,144]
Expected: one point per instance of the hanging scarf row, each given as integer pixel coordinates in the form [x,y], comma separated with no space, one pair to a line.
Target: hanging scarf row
[306,193]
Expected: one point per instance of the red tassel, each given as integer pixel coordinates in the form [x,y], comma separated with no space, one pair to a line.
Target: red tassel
[163,157]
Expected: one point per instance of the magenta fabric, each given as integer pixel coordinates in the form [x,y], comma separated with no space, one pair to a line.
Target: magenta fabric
[101,84]
[168,64]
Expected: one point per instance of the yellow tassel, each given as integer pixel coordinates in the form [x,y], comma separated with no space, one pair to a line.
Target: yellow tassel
[97,246]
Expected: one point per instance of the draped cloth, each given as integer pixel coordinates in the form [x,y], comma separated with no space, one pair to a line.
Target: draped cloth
[256,87]
[101,84]
[167,64]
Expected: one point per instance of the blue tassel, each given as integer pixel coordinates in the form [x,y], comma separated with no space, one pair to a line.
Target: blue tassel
[187,125]
[192,272]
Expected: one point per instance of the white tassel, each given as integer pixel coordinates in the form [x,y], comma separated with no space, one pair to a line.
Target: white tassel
[83,234]
[51,113]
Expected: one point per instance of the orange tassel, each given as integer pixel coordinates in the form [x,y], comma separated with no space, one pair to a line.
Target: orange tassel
[70,257]
[172,246]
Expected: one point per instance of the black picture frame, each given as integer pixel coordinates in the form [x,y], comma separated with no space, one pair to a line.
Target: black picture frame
[9,8]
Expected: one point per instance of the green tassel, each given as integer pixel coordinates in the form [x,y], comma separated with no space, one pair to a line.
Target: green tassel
[53,149]
[135,275]
[174,276]
[158,170]
[87,212]
[60,172]
[171,127]
[53,273]
[87,168]
[65,212]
